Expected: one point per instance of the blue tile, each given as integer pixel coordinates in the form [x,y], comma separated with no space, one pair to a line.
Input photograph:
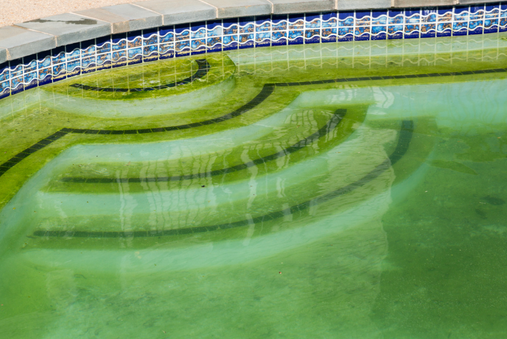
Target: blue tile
[413,16]
[379,17]
[230,42]
[345,34]
[429,15]
[44,59]
[166,51]
[214,44]
[476,12]
[246,25]
[135,42]
[151,40]
[396,17]
[16,85]
[296,37]
[313,21]
[412,32]
[16,68]
[166,34]
[198,30]
[349,22]
[230,26]
[362,37]
[312,36]
[58,55]
[45,76]
[148,33]
[30,63]
[329,34]
[478,30]
[263,39]
[345,15]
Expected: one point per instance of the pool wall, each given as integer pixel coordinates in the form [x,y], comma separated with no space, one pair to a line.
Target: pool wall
[48,50]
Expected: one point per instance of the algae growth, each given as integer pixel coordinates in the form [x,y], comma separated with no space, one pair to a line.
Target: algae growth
[337,190]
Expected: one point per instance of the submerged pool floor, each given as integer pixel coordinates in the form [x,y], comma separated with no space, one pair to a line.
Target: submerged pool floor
[326,191]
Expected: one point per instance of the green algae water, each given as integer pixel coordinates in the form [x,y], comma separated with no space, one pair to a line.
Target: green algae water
[352,190]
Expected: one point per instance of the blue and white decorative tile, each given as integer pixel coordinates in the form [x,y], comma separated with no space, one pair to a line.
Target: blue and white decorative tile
[379,32]
[214,44]
[395,17]
[246,25]
[104,61]
[379,18]
[88,48]
[16,67]
[230,42]
[73,67]
[475,27]
[166,51]
[477,12]
[135,54]
[412,16]
[444,29]
[412,31]
[103,44]
[279,27]
[166,34]
[150,53]
[313,21]
[362,33]
[363,18]
[329,34]
[460,28]
[312,36]
[198,46]
[346,19]
[182,32]
[263,23]
[5,89]
[134,40]
[119,42]
[428,30]
[89,64]
[490,25]
[262,39]
[445,14]
[345,33]
[17,85]
[44,76]
[246,40]
[230,26]
[30,80]
[329,20]
[429,15]
[395,31]
[30,63]
[198,30]
[182,48]
[119,58]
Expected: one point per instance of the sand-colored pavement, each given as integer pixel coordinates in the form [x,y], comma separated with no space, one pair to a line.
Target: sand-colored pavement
[15,11]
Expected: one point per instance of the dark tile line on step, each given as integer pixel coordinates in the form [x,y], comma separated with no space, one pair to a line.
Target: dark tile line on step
[266,91]
[203,69]
[263,95]
[338,115]
[404,138]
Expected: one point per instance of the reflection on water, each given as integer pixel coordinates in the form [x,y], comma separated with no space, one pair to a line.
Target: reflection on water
[359,209]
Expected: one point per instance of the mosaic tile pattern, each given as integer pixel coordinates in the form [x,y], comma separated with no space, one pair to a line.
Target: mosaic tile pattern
[247,32]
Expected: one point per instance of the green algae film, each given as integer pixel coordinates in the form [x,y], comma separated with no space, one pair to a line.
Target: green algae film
[412,248]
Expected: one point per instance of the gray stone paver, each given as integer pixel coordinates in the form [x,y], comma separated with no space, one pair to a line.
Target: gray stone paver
[69,28]
[3,54]
[239,8]
[180,11]
[364,4]
[21,42]
[125,18]
[301,6]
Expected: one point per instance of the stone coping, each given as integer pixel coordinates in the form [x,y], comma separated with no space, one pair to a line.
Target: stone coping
[44,34]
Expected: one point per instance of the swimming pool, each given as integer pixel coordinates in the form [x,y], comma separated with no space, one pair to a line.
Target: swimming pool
[333,191]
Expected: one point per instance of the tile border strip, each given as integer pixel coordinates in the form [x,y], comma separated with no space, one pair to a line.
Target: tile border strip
[246,32]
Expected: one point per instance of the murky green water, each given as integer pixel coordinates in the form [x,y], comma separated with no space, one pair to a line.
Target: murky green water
[325,191]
